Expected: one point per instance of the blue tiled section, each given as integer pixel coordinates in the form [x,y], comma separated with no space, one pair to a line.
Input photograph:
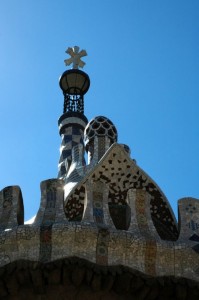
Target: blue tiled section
[98,212]
[66,153]
[67,138]
[76,131]
[98,215]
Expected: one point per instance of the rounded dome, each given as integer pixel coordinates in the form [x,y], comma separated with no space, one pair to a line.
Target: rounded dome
[74,82]
[100,126]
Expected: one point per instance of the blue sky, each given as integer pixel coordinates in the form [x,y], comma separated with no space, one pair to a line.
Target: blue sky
[143,62]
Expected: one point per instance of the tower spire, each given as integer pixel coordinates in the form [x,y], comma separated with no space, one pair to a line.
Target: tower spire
[74,84]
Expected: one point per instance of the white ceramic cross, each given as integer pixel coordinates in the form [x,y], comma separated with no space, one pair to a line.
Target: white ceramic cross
[75,58]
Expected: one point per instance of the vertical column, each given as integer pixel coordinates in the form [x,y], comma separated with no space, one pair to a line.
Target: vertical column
[187,245]
[139,201]
[11,207]
[88,203]
[142,225]
[188,210]
[71,127]
[131,198]
[99,147]
[50,211]
[51,206]
[96,204]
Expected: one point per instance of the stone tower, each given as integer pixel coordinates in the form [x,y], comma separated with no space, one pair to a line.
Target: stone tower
[104,230]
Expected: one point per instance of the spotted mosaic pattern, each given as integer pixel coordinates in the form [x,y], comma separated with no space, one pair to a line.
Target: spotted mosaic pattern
[108,213]
[121,173]
[100,126]
[75,205]
[99,135]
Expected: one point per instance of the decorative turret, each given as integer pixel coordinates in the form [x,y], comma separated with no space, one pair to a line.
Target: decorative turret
[74,84]
[99,135]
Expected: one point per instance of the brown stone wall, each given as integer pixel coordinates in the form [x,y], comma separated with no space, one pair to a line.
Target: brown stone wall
[77,279]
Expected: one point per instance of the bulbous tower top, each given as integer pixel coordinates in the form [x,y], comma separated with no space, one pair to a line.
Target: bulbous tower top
[102,127]
[74,83]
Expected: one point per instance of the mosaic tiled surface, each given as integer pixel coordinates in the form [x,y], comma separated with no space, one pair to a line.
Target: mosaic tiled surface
[96,239]
[120,174]
[71,126]
[108,213]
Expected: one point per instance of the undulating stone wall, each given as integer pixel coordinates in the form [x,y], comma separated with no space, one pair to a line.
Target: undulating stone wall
[74,278]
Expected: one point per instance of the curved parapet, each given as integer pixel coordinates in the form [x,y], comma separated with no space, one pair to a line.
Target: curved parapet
[11,207]
[100,237]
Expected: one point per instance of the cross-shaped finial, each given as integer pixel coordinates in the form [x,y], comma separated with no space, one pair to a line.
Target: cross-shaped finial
[75,58]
